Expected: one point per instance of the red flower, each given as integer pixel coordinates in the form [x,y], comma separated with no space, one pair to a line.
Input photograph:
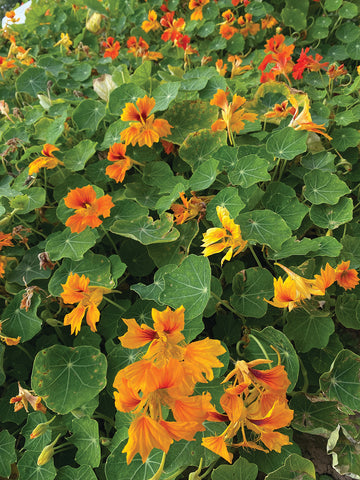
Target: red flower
[111,48]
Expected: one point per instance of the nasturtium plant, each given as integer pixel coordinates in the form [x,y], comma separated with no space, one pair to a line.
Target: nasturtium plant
[179,236]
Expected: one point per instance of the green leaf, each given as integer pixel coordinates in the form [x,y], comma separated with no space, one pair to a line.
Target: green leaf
[205,175]
[164,94]
[317,417]
[152,291]
[96,267]
[263,341]
[188,285]
[308,331]
[82,473]
[126,93]
[324,187]
[38,443]
[146,230]
[85,437]
[240,470]
[342,446]
[17,321]
[29,469]
[295,18]
[28,269]
[227,197]
[353,50]
[344,138]
[32,81]
[76,158]
[69,245]
[67,377]
[264,227]
[142,74]
[189,116]
[295,467]
[81,72]
[7,453]
[201,146]
[35,198]
[286,143]
[319,161]
[348,10]
[341,383]
[332,5]
[290,209]
[175,252]
[2,373]
[347,309]
[88,114]
[351,250]
[332,216]
[250,287]
[249,170]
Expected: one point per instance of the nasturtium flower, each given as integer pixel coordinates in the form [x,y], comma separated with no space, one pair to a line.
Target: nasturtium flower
[227,238]
[247,26]
[197,6]
[237,69]
[280,111]
[346,277]
[64,41]
[333,71]
[165,376]
[268,22]
[221,68]
[308,62]
[172,27]
[47,159]
[25,397]
[233,117]
[87,207]
[151,23]
[76,289]
[5,64]
[190,209]
[111,48]
[121,162]
[5,240]
[144,129]
[279,57]
[303,120]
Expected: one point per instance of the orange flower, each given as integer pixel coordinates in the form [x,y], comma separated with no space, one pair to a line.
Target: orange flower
[169,147]
[173,27]
[227,31]
[5,240]
[285,294]
[237,69]
[229,237]
[122,163]
[268,22]
[87,207]
[5,65]
[280,111]
[247,26]
[140,48]
[190,208]
[111,48]
[151,23]
[25,397]
[48,160]
[77,290]
[326,278]
[232,117]
[279,54]
[143,129]
[218,446]
[221,67]
[201,357]
[345,277]
[303,121]
[197,6]
[334,71]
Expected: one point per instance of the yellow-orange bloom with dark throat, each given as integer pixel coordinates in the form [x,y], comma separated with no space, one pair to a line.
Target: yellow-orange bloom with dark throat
[144,129]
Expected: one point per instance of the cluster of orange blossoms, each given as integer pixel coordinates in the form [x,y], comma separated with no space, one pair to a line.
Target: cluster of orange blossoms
[140,48]
[232,115]
[190,208]
[18,52]
[47,160]
[87,208]
[236,68]
[256,401]
[77,290]
[229,237]
[5,241]
[247,26]
[292,292]
[165,376]
[144,129]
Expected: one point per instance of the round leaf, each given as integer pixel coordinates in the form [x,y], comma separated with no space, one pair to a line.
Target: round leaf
[32,81]
[88,114]
[286,143]
[332,216]
[68,377]
[69,245]
[324,187]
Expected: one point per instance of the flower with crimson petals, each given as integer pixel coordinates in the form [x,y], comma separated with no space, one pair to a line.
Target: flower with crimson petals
[229,237]
[87,207]
[47,160]
[308,62]
[144,129]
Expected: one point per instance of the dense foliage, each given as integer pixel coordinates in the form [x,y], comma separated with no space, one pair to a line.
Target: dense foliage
[179,201]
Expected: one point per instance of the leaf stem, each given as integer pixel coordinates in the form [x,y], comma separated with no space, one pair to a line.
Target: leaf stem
[255,256]
[29,226]
[115,304]
[305,376]
[110,239]
[106,418]
[160,469]
[227,305]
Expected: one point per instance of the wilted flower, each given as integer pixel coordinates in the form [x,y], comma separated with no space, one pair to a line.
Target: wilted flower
[103,86]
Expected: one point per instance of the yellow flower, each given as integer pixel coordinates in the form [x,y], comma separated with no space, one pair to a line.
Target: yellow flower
[64,41]
[229,237]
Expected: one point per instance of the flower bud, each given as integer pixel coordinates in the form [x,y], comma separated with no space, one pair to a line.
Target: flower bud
[46,454]
[39,430]
[93,24]
[103,86]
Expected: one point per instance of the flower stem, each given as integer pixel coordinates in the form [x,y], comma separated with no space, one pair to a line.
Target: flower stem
[160,470]
[227,305]
[305,376]
[115,304]
[255,256]
[110,239]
